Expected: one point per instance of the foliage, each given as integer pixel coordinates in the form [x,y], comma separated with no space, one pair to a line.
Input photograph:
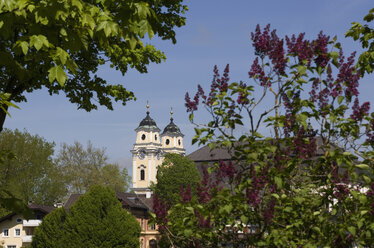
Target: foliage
[29,173]
[8,202]
[82,168]
[97,219]
[177,180]
[59,45]
[288,186]
[51,233]
[176,172]
[365,34]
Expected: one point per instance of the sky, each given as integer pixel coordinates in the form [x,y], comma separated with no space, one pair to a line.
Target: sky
[217,32]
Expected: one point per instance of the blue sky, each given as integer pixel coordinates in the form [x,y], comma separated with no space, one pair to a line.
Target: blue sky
[217,32]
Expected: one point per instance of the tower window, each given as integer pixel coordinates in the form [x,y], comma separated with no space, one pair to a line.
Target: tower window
[156,137]
[179,142]
[143,137]
[167,141]
[142,175]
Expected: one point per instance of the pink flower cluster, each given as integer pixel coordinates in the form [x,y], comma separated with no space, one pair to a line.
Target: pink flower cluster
[219,84]
[257,185]
[290,120]
[269,212]
[348,75]
[203,189]
[161,211]
[370,195]
[359,111]
[301,148]
[306,50]
[257,71]
[340,182]
[185,194]
[225,169]
[299,48]
[202,222]
[267,43]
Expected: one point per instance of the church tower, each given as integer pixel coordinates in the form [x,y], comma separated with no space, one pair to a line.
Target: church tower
[149,150]
[172,138]
[146,154]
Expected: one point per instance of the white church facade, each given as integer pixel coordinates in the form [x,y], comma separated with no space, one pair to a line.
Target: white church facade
[149,149]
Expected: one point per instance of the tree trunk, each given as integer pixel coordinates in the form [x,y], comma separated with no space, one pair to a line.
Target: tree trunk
[3,115]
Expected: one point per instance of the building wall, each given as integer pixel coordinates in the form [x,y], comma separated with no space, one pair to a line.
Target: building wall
[148,233]
[11,224]
[148,154]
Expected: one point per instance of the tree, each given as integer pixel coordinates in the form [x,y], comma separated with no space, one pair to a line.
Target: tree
[97,219]
[51,232]
[115,179]
[302,176]
[59,45]
[30,174]
[83,168]
[176,172]
[365,34]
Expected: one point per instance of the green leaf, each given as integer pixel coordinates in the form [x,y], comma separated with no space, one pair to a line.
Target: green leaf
[244,219]
[363,166]
[299,199]
[190,117]
[352,230]
[77,4]
[340,99]
[62,55]
[227,208]
[25,47]
[132,42]
[366,179]
[57,73]
[301,69]
[278,181]
[275,195]
[215,103]
[188,232]
[38,41]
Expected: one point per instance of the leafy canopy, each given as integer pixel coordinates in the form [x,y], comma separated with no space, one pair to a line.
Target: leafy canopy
[83,168]
[30,174]
[365,34]
[303,174]
[96,219]
[59,45]
[176,172]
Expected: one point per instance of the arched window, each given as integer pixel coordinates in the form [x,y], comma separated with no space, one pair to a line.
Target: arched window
[153,243]
[142,174]
[143,137]
[167,141]
[155,136]
[179,142]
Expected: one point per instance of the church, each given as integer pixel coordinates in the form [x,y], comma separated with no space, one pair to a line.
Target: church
[149,150]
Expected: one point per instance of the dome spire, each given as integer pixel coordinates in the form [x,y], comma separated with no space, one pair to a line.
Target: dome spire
[171,128]
[148,123]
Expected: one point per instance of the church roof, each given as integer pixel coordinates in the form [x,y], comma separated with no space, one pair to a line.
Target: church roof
[173,129]
[148,123]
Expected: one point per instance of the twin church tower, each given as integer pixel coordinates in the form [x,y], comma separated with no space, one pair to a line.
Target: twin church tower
[149,151]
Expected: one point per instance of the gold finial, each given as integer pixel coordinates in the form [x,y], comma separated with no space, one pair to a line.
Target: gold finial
[147,107]
[171,111]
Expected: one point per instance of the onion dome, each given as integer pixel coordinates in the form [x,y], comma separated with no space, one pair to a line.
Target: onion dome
[171,129]
[148,123]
